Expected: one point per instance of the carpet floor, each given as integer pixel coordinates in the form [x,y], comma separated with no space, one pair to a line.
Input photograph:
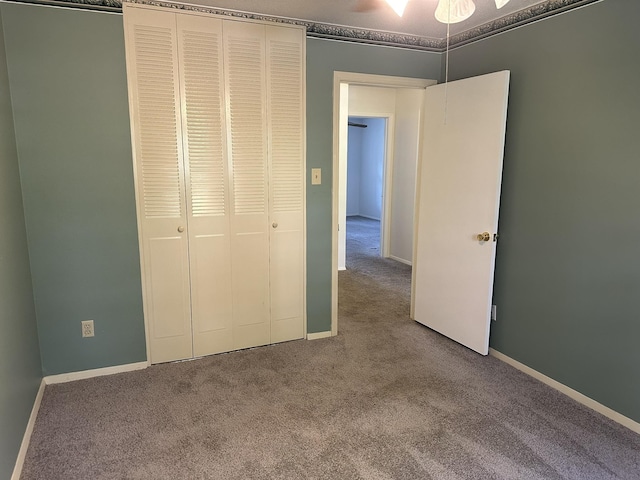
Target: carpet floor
[385,399]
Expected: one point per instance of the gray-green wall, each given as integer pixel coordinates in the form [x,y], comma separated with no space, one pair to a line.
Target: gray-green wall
[323,58]
[20,371]
[68,84]
[568,269]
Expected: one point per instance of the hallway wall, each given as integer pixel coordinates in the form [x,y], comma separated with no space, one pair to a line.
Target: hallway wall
[365,167]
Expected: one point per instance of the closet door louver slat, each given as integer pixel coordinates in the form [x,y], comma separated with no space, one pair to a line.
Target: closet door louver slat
[286,124]
[158,146]
[246,99]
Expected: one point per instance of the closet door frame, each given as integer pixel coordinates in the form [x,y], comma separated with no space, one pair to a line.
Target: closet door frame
[179,107]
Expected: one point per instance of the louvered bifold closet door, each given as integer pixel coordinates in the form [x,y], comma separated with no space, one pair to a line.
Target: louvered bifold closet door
[244,65]
[158,166]
[285,109]
[204,140]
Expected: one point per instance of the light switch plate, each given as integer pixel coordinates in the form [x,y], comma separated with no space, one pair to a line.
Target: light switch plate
[316,176]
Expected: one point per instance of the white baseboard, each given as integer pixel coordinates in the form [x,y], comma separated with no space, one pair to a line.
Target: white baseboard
[570,392]
[96,372]
[22,453]
[318,335]
[401,260]
[367,216]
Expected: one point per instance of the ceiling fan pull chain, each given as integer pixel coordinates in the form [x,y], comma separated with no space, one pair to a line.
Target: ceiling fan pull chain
[446,66]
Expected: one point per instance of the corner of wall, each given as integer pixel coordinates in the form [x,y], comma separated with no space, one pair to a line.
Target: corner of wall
[20,361]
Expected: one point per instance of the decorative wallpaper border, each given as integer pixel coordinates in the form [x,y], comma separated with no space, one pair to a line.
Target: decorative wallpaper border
[517,19]
[314,29]
[339,32]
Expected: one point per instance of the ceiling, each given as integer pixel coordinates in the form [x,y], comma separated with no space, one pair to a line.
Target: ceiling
[417,28]
[418,18]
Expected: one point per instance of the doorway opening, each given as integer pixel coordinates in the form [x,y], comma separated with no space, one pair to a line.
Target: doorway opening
[366,167]
[398,100]
[460,129]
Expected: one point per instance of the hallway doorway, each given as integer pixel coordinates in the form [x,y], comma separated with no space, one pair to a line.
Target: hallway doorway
[366,167]
[399,101]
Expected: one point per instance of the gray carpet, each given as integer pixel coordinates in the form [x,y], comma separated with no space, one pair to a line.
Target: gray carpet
[385,399]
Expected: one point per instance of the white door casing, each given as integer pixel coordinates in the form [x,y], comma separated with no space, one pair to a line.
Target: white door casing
[459,194]
[341,83]
[409,109]
[340,181]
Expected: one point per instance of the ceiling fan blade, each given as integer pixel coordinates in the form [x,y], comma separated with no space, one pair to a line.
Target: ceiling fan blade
[363,6]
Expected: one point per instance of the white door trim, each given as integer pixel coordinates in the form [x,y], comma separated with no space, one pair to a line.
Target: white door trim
[341,79]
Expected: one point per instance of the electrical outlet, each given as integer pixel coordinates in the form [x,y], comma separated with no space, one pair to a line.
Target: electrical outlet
[493,313]
[87,328]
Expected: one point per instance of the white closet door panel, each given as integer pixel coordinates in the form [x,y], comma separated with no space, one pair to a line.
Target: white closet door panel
[285,110]
[287,286]
[244,65]
[203,114]
[158,168]
[211,293]
[250,268]
[168,283]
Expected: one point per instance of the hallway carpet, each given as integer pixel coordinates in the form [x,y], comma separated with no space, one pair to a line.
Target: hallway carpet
[385,399]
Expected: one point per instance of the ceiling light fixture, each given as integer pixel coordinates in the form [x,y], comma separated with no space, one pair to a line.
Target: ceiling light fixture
[447,11]
[454,11]
[399,5]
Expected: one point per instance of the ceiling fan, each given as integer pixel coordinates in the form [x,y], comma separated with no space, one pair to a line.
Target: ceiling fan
[447,11]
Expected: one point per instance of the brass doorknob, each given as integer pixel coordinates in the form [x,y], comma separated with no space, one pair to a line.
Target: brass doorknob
[274,224]
[181,229]
[484,237]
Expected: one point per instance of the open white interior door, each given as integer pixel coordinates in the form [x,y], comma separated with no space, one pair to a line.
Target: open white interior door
[458,201]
